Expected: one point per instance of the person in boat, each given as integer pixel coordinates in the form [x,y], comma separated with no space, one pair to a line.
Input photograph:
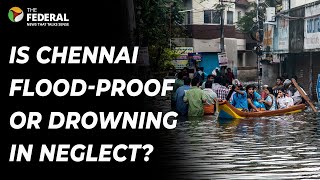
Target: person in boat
[292,92]
[263,93]
[253,99]
[279,85]
[195,98]
[209,78]
[181,106]
[270,100]
[231,90]
[211,98]
[239,98]
[283,99]
[220,89]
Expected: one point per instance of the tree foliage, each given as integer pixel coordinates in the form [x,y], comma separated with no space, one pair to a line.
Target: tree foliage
[248,23]
[157,23]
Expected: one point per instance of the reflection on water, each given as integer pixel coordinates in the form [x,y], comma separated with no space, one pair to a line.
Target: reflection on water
[283,147]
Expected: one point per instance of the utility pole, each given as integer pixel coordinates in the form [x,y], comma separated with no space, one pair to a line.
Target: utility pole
[222,27]
[258,46]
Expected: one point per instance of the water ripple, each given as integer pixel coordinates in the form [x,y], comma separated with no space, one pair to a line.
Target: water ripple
[282,147]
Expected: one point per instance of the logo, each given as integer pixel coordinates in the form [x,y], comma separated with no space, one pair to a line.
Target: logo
[15,14]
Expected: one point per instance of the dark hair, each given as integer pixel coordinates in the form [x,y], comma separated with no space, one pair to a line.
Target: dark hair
[180,75]
[194,81]
[249,86]
[223,82]
[187,81]
[228,69]
[209,76]
[285,76]
[208,84]
[217,79]
[282,90]
[294,77]
[270,90]
[251,96]
[281,79]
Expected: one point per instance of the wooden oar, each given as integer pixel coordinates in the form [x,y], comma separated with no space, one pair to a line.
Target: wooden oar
[303,95]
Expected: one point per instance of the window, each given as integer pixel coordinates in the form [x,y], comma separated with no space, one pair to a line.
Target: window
[212,17]
[229,17]
[188,17]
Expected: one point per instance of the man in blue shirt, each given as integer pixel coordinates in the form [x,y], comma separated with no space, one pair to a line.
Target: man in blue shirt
[239,99]
[181,106]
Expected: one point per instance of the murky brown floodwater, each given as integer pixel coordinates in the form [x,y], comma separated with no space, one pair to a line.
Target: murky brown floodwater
[283,147]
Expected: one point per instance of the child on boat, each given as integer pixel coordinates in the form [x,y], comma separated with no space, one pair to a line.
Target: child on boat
[283,99]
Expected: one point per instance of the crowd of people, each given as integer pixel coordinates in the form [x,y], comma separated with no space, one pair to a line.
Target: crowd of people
[198,95]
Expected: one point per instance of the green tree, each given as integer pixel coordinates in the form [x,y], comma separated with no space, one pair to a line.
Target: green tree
[158,21]
[248,24]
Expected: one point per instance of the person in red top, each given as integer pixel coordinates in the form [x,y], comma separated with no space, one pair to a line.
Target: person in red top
[230,76]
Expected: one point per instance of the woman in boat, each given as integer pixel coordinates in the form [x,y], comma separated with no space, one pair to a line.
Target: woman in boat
[270,100]
[253,99]
[283,99]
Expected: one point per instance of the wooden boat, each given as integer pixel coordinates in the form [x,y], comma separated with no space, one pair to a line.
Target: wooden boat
[226,110]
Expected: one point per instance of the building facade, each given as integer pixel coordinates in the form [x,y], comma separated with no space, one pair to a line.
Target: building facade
[203,25]
[296,41]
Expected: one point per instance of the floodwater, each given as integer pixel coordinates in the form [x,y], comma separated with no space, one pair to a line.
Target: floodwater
[282,147]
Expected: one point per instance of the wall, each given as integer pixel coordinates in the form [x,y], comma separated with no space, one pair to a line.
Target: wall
[198,15]
[213,45]
[209,62]
[299,65]
[269,74]
[187,6]
[281,35]
[246,74]
[312,28]
[296,31]
[251,59]
[232,53]
[241,44]
[206,45]
[210,31]
[296,3]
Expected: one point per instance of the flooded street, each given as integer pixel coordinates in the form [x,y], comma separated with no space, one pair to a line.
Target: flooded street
[283,147]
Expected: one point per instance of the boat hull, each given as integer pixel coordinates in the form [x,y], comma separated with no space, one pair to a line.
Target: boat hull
[226,110]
